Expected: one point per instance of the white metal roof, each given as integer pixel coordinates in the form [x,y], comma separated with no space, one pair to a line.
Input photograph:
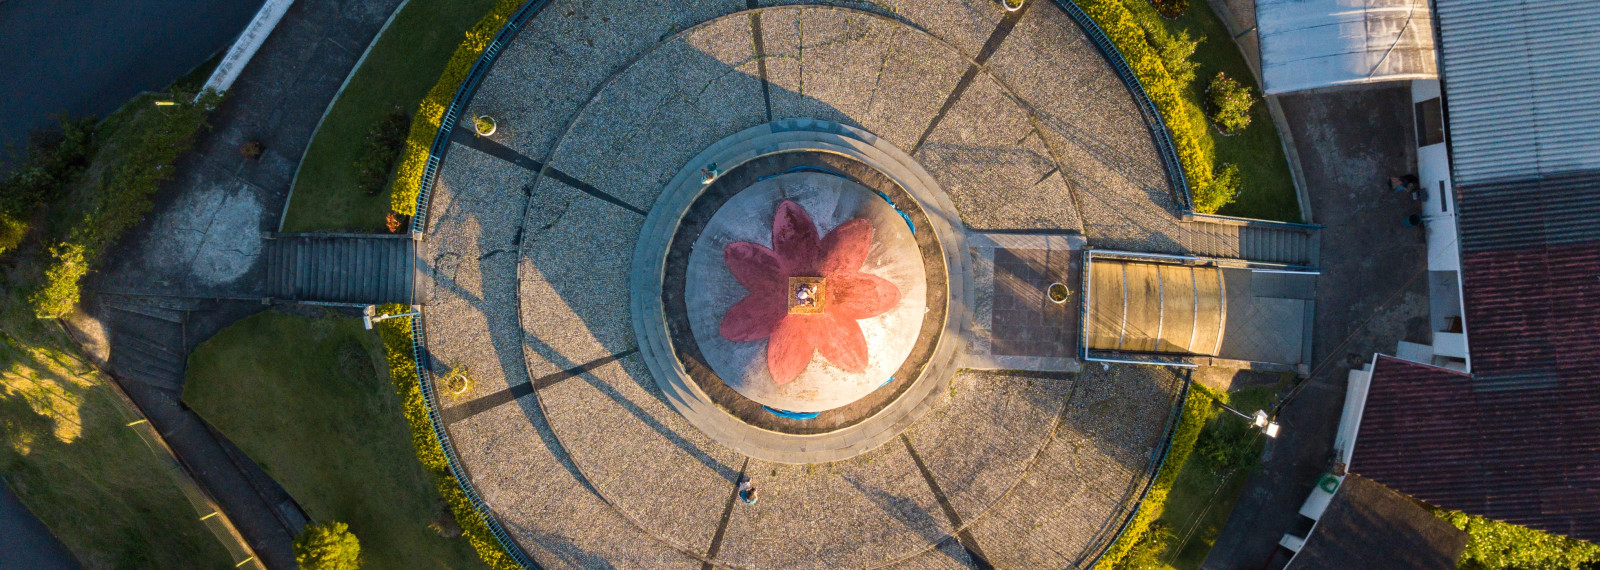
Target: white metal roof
[1306,44]
[1522,79]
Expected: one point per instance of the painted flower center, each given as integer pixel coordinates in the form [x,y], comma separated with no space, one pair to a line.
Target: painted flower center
[806,295]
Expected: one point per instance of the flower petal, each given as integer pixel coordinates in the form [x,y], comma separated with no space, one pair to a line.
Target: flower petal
[794,239]
[791,346]
[845,248]
[860,295]
[843,344]
[756,267]
[754,318]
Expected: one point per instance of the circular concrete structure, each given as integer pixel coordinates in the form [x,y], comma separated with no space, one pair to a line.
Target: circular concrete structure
[602,428]
[887,335]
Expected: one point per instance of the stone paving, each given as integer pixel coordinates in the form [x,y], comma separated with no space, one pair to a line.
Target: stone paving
[566,434]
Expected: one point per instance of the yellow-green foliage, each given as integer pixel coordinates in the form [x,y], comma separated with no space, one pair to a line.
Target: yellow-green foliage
[141,145]
[396,335]
[57,296]
[327,546]
[425,124]
[1495,545]
[1183,119]
[1196,409]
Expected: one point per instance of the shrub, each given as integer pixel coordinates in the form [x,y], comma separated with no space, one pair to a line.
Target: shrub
[1196,408]
[396,334]
[408,178]
[1146,554]
[379,151]
[1221,190]
[1495,545]
[252,150]
[328,546]
[57,296]
[1230,445]
[1170,8]
[393,222]
[1178,113]
[135,156]
[12,231]
[1175,52]
[1229,104]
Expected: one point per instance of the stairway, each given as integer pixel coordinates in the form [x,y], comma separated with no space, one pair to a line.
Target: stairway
[1260,241]
[149,339]
[356,269]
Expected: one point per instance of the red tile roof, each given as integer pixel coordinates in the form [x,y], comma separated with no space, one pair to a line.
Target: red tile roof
[1519,440]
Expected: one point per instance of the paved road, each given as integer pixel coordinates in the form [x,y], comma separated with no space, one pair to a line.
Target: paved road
[86,57]
[24,540]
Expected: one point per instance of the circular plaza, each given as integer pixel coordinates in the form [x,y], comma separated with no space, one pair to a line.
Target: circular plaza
[803,246]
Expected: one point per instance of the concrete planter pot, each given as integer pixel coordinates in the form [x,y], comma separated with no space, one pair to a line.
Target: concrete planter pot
[1058,293]
[484,125]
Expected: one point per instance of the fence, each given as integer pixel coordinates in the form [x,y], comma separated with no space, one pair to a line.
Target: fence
[447,124]
[419,352]
[1169,153]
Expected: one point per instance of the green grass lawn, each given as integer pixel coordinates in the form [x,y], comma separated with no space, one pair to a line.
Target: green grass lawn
[1267,189]
[1201,499]
[66,450]
[310,401]
[398,72]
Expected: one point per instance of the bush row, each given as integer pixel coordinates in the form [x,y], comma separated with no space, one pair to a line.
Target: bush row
[52,160]
[1196,410]
[1495,545]
[425,123]
[396,335]
[1183,118]
[135,155]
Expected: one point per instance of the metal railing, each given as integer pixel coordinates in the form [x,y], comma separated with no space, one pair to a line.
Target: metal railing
[1153,472]
[419,352]
[469,86]
[1164,145]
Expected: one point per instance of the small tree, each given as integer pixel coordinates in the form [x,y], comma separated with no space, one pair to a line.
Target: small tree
[328,546]
[1229,104]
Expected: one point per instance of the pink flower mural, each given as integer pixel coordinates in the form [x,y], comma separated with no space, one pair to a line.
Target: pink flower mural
[806,294]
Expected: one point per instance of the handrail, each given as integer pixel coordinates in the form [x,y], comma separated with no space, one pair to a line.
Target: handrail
[1164,144]
[430,401]
[1254,222]
[469,86]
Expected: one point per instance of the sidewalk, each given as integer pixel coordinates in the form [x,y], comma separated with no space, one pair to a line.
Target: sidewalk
[201,242]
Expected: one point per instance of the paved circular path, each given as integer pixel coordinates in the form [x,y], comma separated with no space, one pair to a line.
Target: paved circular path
[566,435]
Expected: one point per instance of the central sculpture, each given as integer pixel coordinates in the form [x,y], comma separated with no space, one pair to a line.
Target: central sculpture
[806,294]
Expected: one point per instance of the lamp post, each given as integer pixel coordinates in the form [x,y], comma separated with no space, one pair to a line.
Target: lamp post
[369,315]
[1260,420]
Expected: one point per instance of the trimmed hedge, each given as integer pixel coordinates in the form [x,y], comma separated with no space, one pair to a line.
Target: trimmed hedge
[396,335]
[426,122]
[1196,410]
[1183,119]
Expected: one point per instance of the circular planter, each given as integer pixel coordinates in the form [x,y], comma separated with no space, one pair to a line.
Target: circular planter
[1058,293]
[457,383]
[484,125]
[1011,5]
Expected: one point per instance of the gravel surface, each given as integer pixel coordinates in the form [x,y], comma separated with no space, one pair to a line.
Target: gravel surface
[598,469]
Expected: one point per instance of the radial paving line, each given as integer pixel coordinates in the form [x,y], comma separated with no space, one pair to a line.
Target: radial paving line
[989,46]
[482,404]
[629,443]
[962,535]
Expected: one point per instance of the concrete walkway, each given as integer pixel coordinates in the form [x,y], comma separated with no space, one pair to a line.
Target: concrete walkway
[85,57]
[1352,140]
[194,265]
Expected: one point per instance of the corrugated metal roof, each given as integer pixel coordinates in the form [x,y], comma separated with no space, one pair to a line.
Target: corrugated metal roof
[1523,85]
[1306,44]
